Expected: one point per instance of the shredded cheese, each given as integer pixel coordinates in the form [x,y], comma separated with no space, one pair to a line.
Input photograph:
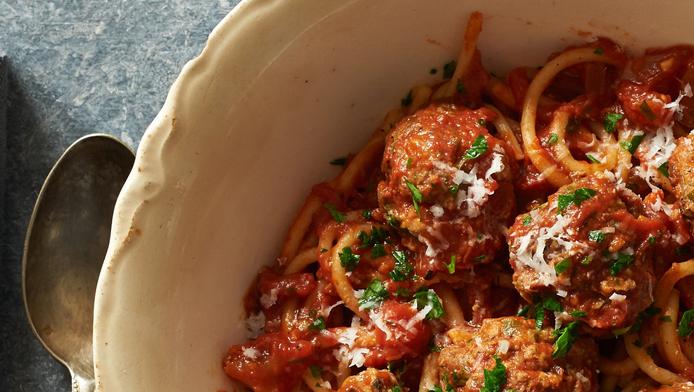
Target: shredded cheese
[617,297]
[436,211]
[503,346]
[655,151]
[255,324]
[250,352]
[267,300]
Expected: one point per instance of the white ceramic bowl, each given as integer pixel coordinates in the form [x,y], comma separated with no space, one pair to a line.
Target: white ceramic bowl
[281,88]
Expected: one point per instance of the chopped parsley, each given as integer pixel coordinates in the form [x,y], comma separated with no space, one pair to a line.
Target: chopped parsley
[427,297]
[592,158]
[416,194]
[643,316]
[366,214]
[315,371]
[393,221]
[451,265]
[436,388]
[454,189]
[482,122]
[449,69]
[596,236]
[522,312]
[664,169]
[633,144]
[341,161]
[377,251]
[586,260]
[599,51]
[623,261]
[548,303]
[376,236]
[562,266]
[495,379]
[686,327]
[338,216]
[402,269]
[348,260]
[576,198]
[373,295]
[610,121]
[527,220]
[479,147]
[407,100]
[318,324]
[647,111]
[651,239]
[666,319]
[578,314]
[553,139]
[566,338]
[460,87]
[479,259]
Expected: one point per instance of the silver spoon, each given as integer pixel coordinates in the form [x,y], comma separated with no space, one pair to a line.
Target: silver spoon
[65,246]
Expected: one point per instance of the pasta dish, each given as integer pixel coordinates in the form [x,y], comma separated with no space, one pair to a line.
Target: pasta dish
[526,232]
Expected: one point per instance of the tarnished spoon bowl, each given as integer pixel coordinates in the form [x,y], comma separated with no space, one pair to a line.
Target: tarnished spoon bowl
[65,246]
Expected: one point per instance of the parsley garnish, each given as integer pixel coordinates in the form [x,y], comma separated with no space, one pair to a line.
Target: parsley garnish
[449,69]
[586,260]
[348,260]
[578,314]
[377,251]
[633,144]
[553,139]
[416,194]
[664,169]
[566,338]
[454,189]
[548,303]
[393,221]
[460,87]
[376,236]
[373,295]
[495,379]
[479,147]
[402,269]
[623,261]
[647,111]
[651,239]
[315,371]
[451,266]
[686,328]
[596,236]
[523,311]
[592,158]
[366,214]
[339,161]
[318,324]
[611,120]
[337,215]
[424,297]
[527,219]
[482,122]
[407,100]
[562,266]
[576,198]
[599,51]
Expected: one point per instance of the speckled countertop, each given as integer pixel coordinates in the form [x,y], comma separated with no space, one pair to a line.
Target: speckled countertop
[77,67]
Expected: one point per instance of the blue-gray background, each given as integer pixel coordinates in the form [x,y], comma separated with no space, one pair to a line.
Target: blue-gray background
[77,67]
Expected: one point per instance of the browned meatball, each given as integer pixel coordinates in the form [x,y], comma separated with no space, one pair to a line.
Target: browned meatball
[370,380]
[448,182]
[587,247]
[681,167]
[526,354]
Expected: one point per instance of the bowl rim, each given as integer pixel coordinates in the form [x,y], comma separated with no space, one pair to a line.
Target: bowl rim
[128,210]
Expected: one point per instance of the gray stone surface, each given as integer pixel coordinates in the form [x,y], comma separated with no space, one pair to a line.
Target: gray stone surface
[77,67]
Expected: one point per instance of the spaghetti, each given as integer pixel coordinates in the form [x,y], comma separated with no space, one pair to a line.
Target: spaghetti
[494,234]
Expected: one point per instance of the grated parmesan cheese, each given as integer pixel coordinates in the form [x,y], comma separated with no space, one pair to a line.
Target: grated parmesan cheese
[562,293]
[655,151]
[255,324]
[250,352]
[476,193]
[674,106]
[326,312]
[503,346]
[267,300]
[617,297]
[377,318]
[436,211]
[418,317]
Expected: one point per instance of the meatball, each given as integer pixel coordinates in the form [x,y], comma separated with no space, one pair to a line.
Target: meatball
[589,245]
[524,351]
[370,380]
[681,168]
[447,181]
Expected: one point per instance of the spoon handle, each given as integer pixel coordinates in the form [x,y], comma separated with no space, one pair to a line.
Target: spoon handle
[81,383]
